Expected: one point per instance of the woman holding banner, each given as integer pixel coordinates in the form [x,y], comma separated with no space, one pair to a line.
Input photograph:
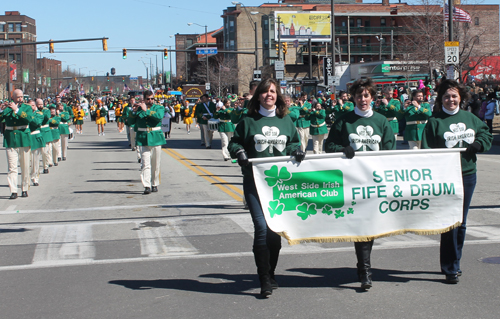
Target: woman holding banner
[366,123]
[261,134]
[451,127]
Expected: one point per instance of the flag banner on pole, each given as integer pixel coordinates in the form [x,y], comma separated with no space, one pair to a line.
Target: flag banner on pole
[328,198]
[458,14]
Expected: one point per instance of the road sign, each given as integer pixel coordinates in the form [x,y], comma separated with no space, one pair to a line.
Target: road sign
[451,55]
[283,84]
[257,75]
[336,80]
[207,50]
[328,70]
[279,66]
[280,75]
[207,86]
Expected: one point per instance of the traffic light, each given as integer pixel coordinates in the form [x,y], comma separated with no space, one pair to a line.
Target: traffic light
[105,44]
[165,54]
[285,48]
[108,78]
[123,78]
[92,78]
[51,47]
[124,54]
[277,49]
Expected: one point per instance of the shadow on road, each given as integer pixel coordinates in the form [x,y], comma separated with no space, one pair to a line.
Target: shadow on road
[337,278]
[14,230]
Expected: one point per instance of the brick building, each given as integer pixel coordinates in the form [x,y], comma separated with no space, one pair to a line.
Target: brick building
[15,28]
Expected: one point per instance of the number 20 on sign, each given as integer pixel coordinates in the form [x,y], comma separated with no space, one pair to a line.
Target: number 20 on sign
[451,52]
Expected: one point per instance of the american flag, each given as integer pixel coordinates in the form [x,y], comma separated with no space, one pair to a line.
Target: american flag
[142,87]
[125,88]
[458,14]
[65,91]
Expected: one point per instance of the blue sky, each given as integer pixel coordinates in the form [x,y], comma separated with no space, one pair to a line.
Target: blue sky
[131,24]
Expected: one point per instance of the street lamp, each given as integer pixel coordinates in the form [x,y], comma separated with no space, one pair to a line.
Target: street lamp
[380,40]
[79,73]
[162,70]
[147,74]
[206,42]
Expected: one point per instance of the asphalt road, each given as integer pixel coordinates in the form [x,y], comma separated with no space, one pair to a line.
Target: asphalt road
[87,244]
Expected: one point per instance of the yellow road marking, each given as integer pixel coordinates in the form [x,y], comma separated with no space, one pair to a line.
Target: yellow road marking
[231,190]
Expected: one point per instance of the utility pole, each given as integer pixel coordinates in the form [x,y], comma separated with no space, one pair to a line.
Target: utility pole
[332,20]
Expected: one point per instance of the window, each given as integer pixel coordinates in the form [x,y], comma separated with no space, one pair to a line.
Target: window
[382,22]
[476,21]
[266,24]
[353,59]
[351,40]
[18,27]
[344,23]
[231,44]
[11,27]
[189,42]
[367,23]
[344,41]
[231,26]
[360,40]
[351,22]
[358,22]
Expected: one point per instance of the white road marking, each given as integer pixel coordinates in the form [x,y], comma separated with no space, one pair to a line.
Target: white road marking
[488,232]
[62,243]
[11,208]
[163,241]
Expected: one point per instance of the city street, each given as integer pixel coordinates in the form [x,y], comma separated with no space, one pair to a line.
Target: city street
[87,243]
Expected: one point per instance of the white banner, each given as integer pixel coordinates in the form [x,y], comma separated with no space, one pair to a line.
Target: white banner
[329,198]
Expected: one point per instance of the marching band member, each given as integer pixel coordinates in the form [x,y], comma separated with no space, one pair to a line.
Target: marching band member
[226,127]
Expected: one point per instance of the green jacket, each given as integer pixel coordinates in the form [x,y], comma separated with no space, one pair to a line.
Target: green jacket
[239,114]
[201,111]
[391,112]
[63,126]
[54,127]
[47,134]
[126,112]
[144,120]
[37,140]
[303,120]
[17,137]
[457,131]
[294,113]
[413,132]
[318,124]
[340,110]
[69,110]
[262,136]
[225,124]
[362,134]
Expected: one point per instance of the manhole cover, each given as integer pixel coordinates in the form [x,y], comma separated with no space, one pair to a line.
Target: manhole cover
[491,260]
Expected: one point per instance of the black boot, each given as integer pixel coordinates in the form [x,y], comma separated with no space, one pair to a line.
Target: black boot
[261,254]
[363,252]
[274,244]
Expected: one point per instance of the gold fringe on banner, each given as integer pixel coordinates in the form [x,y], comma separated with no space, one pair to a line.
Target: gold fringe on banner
[292,242]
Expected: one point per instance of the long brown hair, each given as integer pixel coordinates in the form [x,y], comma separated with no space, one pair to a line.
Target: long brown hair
[450,84]
[254,104]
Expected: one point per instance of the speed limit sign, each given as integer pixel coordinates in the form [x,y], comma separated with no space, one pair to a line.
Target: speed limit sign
[451,49]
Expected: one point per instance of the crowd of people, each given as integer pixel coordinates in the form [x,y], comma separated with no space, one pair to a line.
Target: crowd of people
[40,128]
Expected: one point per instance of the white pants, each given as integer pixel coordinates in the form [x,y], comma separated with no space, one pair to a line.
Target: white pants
[132,136]
[64,144]
[35,165]
[56,150]
[304,137]
[47,155]
[207,134]
[21,155]
[414,145]
[318,143]
[224,138]
[127,130]
[202,134]
[150,165]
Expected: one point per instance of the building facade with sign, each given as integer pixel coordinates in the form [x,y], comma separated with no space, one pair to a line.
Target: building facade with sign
[364,33]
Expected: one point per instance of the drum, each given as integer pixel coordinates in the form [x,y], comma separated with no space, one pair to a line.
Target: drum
[213,125]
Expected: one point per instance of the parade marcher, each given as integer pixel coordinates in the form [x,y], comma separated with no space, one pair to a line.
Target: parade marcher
[340,140]
[416,114]
[226,127]
[166,125]
[292,108]
[147,118]
[266,112]
[188,116]
[474,136]
[100,119]
[64,130]
[119,118]
[490,110]
[240,112]
[79,116]
[343,105]
[47,136]
[54,122]
[303,124]
[177,110]
[318,128]
[205,111]
[389,107]
[37,142]
[17,141]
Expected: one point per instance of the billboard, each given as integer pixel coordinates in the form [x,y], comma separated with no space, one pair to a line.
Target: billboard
[484,68]
[303,25]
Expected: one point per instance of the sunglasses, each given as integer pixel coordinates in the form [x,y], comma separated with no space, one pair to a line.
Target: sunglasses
[150,98]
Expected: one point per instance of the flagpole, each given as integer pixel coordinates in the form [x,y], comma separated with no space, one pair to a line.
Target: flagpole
[450,20]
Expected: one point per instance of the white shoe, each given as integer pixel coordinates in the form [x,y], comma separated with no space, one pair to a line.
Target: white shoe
[103,134]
